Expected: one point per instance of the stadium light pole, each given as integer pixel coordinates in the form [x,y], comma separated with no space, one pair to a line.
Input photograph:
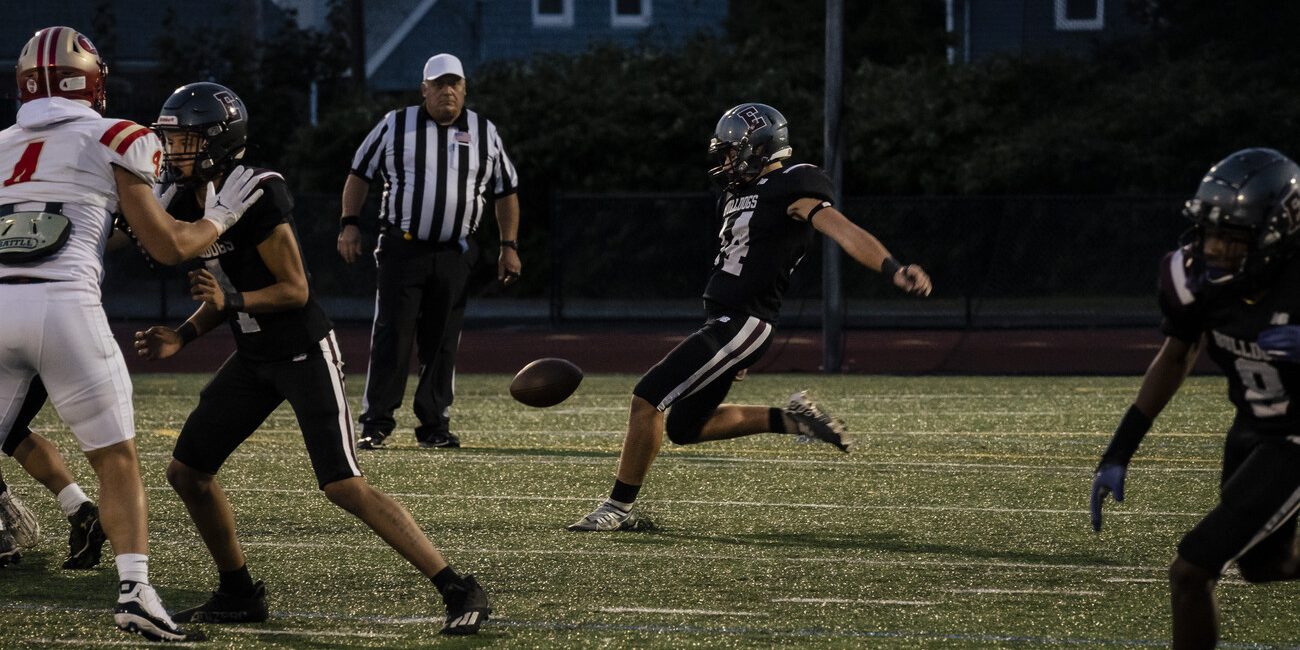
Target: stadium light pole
[833,162]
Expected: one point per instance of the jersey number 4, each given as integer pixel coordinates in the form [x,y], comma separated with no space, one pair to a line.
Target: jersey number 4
[26,164]
[735,243]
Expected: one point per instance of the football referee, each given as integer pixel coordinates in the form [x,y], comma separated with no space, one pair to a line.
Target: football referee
[440,164]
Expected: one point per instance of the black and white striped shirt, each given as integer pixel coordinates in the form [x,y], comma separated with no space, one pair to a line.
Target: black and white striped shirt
[437,179]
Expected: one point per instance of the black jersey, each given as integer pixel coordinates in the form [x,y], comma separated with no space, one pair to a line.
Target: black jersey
[760,244]
[237,265]
[1260,388]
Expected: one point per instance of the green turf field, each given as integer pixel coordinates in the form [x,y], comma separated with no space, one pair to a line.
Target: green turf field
[959,520]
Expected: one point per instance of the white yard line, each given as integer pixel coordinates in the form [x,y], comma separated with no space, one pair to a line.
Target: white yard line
[858,601]
[662,610]
[1050,592]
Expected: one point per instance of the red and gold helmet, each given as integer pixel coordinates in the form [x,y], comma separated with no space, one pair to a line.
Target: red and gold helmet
[61,62]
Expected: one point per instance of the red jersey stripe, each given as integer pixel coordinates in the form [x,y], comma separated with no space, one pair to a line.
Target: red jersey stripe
[139,132]
[114,130]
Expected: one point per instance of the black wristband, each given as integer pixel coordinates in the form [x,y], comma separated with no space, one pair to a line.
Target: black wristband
[188,332]
[1128,435]
[349,220]
[234,302]
[510,243]
[889,267]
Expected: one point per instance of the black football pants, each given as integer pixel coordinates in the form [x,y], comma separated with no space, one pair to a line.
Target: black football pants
[421,300]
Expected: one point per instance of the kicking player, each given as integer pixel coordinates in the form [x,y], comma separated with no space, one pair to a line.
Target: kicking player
[42,460]
[285,349]
[768,212]
[1234,290]
[65,170]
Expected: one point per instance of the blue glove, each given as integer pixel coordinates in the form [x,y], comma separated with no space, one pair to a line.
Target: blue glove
[1281,343]
[1109,479]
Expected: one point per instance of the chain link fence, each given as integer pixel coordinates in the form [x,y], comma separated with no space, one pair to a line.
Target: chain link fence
[1012,261]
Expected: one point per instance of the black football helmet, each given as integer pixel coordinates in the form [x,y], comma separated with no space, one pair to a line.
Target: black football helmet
[1252,195]
[758,135]
[217,116]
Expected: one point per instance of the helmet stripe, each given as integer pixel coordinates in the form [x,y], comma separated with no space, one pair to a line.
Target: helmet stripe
[54,42]
[40,48]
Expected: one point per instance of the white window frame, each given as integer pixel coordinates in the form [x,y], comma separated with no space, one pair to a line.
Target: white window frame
[641,20]
[565,19]
[1065,24]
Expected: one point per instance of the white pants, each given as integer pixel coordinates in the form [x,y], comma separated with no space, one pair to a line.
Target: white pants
[59,331]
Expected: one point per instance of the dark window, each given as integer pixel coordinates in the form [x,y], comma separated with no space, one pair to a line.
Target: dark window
[1081,9]
[550,7]
[627,7]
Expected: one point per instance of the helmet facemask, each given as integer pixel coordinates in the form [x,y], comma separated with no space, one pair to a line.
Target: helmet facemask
[735,163]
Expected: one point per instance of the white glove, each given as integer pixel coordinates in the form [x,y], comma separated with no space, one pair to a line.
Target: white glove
[224,208]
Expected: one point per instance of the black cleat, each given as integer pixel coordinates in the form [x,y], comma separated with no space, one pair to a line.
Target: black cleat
[811,421]
[372,440]
[441,440]
[467,607]
[8,548]
[139,611]
[227,608]
[85,539]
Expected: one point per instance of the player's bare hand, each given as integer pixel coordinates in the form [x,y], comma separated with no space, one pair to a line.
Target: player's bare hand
[508,266]
[350,243]
[913,279]
[205,288]
[157,342]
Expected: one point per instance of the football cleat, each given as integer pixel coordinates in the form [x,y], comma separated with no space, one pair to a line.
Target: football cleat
[85,538]
[441,440]
[810,421]
[372,440]
[19,520]
[467,607]
[228,608]
[140,611]
[606,517]
[8,548]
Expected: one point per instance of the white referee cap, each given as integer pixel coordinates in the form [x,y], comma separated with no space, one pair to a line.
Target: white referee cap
[441,64]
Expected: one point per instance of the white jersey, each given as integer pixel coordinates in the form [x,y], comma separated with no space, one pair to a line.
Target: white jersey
[62,152]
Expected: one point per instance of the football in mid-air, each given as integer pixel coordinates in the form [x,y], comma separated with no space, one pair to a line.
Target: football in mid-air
[545,382]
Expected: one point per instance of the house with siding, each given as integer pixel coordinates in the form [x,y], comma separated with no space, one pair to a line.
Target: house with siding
[983,28]
[401,34]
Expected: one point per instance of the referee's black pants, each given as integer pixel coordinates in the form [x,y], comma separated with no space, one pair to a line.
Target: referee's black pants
[421,300]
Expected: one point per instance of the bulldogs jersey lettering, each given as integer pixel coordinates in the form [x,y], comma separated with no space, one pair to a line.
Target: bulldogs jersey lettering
[62,152]
[759,243]
[1260,388]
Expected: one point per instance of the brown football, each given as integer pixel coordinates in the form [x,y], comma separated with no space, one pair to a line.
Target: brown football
[545,382]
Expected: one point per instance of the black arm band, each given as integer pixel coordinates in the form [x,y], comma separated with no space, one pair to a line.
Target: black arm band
[188,332]
[234,302]
[820,206]
[510,243]
[889,267]
[350,220]
[1128,435]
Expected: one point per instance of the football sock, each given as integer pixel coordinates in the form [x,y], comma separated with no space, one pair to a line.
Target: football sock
[445,578]
[623,494]
[71,498]
[236,582]
[133,567]
[776,421]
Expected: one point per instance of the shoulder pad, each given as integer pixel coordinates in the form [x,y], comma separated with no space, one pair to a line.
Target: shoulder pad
[1173,279]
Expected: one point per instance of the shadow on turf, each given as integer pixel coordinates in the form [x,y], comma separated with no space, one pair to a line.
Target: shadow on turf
[883,542]
[40,579]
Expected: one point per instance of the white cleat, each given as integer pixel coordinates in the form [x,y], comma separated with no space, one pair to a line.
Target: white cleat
[606,517]
[19,521]
[811,422]
[140,611]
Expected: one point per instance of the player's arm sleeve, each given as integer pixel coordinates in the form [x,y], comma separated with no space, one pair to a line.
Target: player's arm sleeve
[810,182]
[274,208]
[505,180]
[134,148]
[370,155]
[1177,302]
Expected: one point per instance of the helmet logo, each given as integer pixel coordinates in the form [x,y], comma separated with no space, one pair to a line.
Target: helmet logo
[72,83]
[167,120]
[85,45]
[753,117]
[1291,211]
[232,105]
[31,85]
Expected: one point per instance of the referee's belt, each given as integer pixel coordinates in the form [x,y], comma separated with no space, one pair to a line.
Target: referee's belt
[398,233]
